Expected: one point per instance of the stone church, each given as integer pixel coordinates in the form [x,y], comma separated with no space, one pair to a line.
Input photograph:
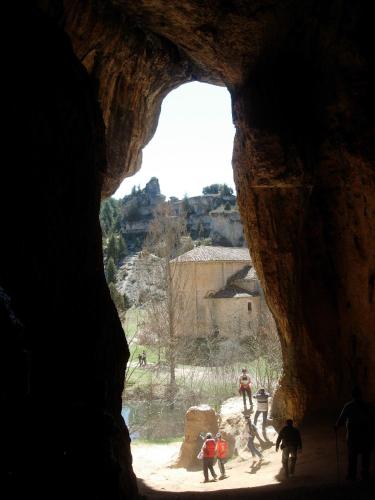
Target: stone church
[217,292]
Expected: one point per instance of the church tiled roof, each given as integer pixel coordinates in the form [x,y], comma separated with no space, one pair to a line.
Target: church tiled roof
[212,254]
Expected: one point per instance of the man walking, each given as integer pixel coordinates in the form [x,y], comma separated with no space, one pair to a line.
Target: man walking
[144,359]
[250,442]
[262,406]
[208,450]
[357,415]
[245,388]
[290,440]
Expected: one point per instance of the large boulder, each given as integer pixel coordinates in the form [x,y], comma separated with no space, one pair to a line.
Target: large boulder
[232,425]
[198,419]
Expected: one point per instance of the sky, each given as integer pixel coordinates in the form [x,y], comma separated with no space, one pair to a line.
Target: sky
[192,146]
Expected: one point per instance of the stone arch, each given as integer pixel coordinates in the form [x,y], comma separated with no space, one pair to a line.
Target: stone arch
[289,153]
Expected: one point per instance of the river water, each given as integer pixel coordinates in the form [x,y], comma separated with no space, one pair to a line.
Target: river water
[154,419]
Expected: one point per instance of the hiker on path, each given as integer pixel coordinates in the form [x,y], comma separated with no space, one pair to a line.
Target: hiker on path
[290,440]
[140,360]
[144,359]
[250,442]
[245,388]
[262,406]
[359,419]
[208,449]
[221,453]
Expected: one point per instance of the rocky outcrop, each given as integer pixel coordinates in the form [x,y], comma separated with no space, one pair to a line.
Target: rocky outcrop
[208,216]
[226,227]
[198,419]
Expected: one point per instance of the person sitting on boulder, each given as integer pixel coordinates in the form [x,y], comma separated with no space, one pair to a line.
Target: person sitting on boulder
[208,449]
[245,388]
[221,453]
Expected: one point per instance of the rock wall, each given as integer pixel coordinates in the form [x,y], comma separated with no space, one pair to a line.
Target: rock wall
[301,79]
[63,352]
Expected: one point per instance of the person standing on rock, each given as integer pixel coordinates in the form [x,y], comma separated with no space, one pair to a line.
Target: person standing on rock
[358,417]
[221,453]
[290,440]
[245,388]
[262,406]
[208,450]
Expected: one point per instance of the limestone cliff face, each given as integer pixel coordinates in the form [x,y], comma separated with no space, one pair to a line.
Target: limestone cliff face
[301,79]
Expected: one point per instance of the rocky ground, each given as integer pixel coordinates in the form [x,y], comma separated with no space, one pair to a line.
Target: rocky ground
[317,475]
[139,277]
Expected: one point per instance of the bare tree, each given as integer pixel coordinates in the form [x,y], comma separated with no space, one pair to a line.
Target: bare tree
[167,238]
[254,339]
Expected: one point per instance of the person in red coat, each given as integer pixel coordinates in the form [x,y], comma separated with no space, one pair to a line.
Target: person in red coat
[245,388]
[221,453]
[209,450]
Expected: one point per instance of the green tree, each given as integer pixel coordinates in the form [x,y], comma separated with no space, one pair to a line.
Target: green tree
[121,248]
[127,303]
[212,189]
[112,249]
[111,271]
[117,298]
[188,209]
[225,190]
[109,216]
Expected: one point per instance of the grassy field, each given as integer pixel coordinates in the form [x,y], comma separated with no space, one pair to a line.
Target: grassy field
[211,384]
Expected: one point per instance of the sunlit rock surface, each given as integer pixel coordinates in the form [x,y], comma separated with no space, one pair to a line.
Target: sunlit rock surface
[303,155]
[199,419]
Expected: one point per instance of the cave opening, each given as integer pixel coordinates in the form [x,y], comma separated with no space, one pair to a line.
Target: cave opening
[187,293]
[87,91]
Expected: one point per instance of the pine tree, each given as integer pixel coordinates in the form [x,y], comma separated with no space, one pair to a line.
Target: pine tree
[121,248]
[105,217]
[111,271]
[117,298]
[112,249]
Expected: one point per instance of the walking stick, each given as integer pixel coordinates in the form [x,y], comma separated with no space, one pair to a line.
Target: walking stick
[337,457]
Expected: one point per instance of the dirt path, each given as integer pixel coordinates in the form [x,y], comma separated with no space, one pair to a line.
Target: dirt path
[316,468]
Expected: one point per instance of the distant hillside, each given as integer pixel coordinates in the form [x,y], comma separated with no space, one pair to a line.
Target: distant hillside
[213,216]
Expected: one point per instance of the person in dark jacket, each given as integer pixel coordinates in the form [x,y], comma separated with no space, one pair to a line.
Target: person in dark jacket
[209,449]
[290,440]
[358,417]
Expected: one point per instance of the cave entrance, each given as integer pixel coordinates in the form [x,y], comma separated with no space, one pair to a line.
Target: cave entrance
[182,280]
